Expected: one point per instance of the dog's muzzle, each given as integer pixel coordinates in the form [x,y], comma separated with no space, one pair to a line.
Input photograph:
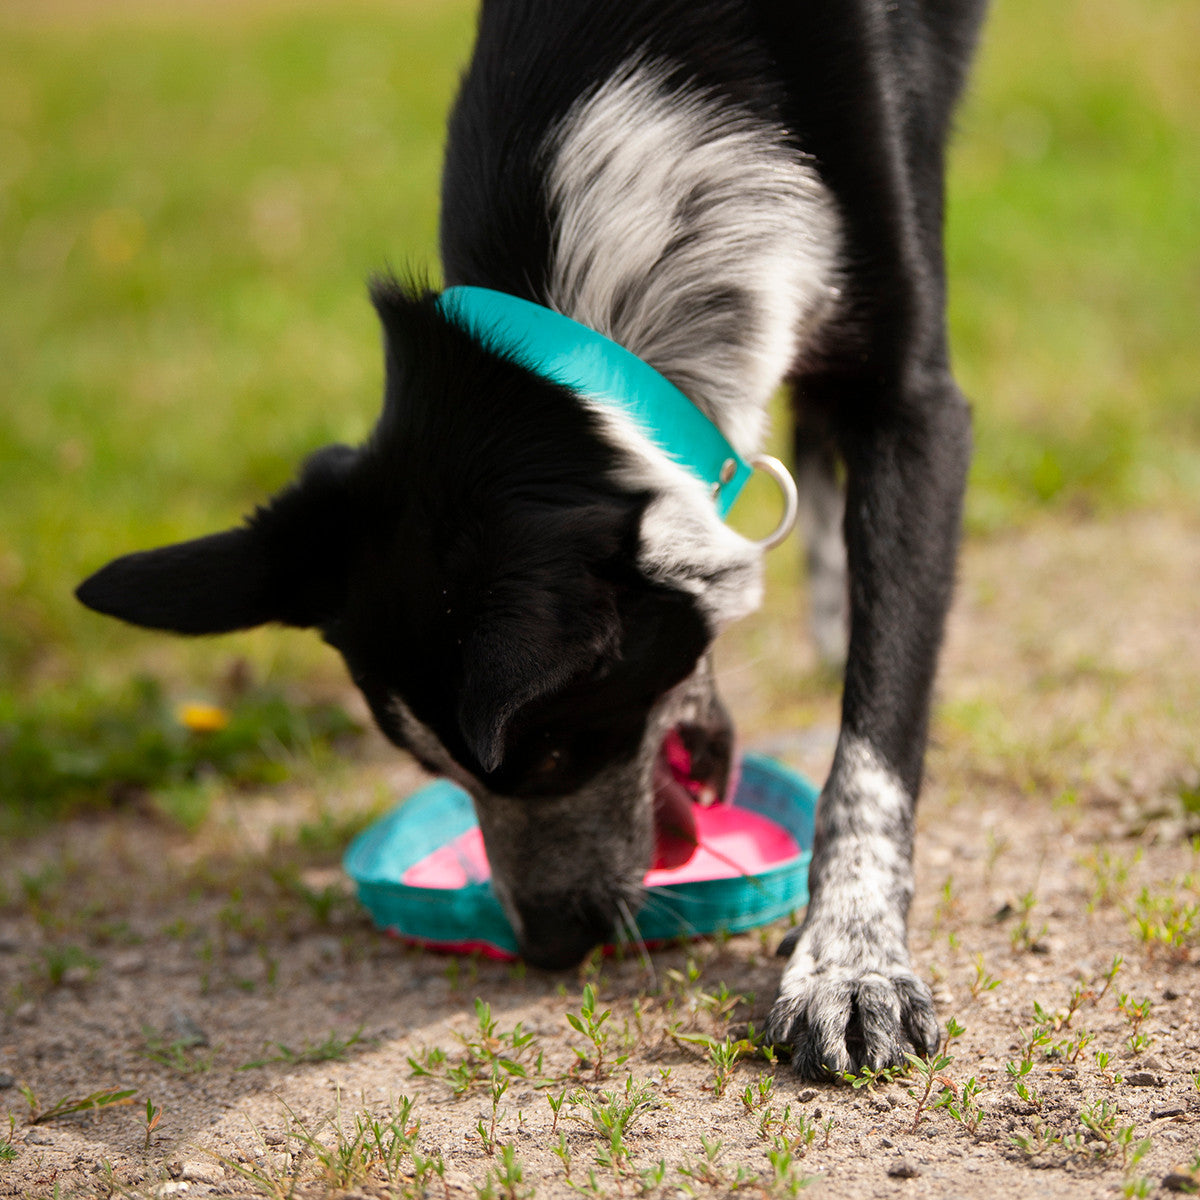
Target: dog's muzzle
[693,768]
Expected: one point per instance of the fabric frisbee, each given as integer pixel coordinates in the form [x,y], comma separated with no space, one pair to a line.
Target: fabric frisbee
[422,872]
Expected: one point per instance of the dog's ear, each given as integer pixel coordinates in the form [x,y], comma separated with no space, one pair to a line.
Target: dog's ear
[549,614]
[213,584]
[287,564]
[512,664]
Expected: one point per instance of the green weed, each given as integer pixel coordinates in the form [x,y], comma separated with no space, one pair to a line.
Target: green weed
[596,1028]
[485,1051]
[335,1048]
[505,1180]
[186,1055]
[99,1101]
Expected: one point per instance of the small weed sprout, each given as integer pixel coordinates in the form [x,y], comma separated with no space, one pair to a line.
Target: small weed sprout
[1023,938]
[1100,1119]
[1166,920]
[613,1114]
[187,1055]
[1079,993]
[333,1049]
[1138,1042]
[1040,1139]
[869,1079]
[1132,1152]
[487,1133]
[60,963]
[758,1094]
[593,1028]
[1134,1013]
[1114,968]
[928,1071]
[556,1103]
[1110,873]
[706,1175]
[8,1145]
[1035,1039]
[946,906]
[360,1151]
[651,1178]
[505,1181]
[771,1120]
[1102,1059]
[983,981]
[723,1054]
[563,1153]
[487,1049]
[961,1104]
[153,1117]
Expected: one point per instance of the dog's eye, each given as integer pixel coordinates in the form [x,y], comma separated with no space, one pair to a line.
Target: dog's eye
[549,763]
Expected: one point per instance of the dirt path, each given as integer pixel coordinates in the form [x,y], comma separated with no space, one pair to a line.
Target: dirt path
[1063,783]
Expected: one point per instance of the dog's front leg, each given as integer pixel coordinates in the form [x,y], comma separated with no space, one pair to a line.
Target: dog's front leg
[849,997]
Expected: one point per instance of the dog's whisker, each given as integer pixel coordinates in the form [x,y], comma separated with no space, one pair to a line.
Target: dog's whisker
[657,901]
[627,920]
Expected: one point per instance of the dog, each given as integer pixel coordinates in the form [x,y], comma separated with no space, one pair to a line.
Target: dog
[525,586]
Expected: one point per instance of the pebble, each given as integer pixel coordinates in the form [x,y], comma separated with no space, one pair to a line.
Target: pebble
[174,1188]
[1143,1079]
[6,1081]
[77,976]
[202,1172]
[129,962]
[39,1137]
[904,1169]
[26,1012]
[1159,1114]
[1179,1181]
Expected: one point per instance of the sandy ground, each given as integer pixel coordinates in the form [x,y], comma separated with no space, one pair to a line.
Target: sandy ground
[1063,787]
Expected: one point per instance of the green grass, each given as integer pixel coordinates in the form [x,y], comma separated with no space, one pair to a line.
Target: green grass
[1074,250]
[190,203]
[69,749]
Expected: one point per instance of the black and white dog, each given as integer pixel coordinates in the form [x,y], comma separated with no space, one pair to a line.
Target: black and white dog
[741,193]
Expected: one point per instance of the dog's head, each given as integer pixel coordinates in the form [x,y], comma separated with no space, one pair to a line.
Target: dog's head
[523,592]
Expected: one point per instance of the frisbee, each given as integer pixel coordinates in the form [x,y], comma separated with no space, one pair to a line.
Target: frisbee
[422,870]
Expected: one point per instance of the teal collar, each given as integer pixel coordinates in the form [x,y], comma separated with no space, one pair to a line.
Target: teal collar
[571,354]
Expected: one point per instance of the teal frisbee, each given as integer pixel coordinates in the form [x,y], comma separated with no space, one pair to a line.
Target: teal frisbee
[422,873]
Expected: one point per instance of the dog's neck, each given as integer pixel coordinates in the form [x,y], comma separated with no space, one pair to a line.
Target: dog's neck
[692,234]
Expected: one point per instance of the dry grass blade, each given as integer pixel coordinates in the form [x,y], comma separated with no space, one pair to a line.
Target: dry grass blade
[105,1098]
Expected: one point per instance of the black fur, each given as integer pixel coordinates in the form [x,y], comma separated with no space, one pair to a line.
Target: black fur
[476,561]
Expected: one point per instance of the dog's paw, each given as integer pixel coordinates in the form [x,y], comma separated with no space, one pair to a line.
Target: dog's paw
[844,1016]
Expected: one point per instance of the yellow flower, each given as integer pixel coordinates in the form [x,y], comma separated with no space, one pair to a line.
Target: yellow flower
[202,718]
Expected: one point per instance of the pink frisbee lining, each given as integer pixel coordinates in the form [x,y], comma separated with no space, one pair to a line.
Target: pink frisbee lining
[732,842]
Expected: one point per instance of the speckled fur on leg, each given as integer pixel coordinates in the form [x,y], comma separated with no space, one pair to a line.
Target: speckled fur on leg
[849,997]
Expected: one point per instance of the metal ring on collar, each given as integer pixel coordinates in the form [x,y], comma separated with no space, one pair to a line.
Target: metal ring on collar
[791,501]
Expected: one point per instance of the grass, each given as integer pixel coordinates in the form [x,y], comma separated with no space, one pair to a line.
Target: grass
[67,750]
[189,205]
[334,1048]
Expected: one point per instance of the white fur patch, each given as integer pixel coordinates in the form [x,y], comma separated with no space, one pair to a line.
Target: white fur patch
[690,232]
[684,544]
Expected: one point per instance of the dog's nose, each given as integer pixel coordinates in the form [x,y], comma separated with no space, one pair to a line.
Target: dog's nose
[559,933]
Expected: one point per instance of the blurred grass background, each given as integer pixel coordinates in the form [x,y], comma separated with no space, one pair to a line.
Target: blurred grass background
[192,195]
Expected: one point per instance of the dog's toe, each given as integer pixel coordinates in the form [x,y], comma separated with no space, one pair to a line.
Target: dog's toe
[838,1024]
